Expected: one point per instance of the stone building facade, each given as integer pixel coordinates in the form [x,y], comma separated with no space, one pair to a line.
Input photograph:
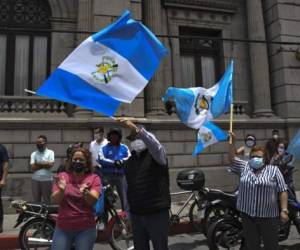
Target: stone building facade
[266,78]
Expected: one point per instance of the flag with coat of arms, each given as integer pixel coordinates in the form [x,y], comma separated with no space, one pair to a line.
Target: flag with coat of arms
[197,107]
[108,68]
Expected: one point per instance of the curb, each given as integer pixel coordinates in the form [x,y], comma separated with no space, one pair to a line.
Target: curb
[9,241]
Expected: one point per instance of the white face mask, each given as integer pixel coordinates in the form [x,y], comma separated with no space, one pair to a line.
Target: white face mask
[138,145]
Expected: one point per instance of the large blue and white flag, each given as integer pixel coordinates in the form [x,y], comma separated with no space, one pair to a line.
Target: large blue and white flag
[208,134]
[109,67]
[294,146]
[194,106]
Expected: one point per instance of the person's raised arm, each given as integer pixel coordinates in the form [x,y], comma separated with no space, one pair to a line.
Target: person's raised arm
[155,148]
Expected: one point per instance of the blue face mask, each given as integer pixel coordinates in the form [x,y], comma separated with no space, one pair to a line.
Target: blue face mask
[256,162]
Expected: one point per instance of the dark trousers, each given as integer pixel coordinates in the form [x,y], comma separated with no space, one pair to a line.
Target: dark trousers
[154,227]
[1,209]
[119,181]
[257,229]
[41,191]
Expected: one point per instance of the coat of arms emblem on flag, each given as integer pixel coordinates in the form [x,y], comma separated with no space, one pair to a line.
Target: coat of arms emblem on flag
[105,70]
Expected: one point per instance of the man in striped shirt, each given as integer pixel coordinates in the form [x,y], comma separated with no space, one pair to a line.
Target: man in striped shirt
[261,186]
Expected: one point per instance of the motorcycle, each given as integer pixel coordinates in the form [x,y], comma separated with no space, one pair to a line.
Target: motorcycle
[208,204]
[39,223]
[227,231]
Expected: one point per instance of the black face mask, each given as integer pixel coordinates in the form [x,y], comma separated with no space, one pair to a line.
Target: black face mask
[40,147]
[77,167]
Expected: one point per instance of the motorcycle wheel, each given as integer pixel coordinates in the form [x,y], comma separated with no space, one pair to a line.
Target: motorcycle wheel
[225,233]
[196,216]
[36,234]
[212,214]
[121,235]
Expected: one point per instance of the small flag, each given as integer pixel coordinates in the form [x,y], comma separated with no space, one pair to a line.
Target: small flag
[109,67]
[194,106]
[294,146]
[208,134]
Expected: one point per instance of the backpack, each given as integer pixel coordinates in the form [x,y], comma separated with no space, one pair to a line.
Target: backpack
[99,206]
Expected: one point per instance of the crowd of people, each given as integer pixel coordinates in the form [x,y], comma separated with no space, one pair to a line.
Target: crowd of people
[141,178]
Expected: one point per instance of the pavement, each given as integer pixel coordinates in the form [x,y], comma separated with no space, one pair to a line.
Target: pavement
[182,237]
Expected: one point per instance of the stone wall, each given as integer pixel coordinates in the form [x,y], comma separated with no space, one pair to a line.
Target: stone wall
[19,138]
[282,20]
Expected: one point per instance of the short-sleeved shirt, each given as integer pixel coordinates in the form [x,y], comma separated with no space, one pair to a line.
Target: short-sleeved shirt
[3,158]
[39,157]
[258,192]
[74,212]
[95,149]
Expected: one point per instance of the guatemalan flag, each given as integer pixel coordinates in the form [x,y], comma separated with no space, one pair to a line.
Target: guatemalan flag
[194,106]
[110,67]
[208,134]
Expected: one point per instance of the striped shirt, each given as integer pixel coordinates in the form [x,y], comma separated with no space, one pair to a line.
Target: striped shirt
[258,192]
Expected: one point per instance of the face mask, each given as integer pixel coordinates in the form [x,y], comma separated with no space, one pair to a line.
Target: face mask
[138,146]
[280,150]
[40,147]
[256,162]
[275,137]
[77,167]
[250,143]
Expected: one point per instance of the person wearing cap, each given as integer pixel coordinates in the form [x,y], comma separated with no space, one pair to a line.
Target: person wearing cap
[148,191]
[271,145]
[244,151]
[111,158]
[95,146]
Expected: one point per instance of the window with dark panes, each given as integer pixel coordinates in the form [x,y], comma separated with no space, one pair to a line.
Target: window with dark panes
[200,57]
[24,55]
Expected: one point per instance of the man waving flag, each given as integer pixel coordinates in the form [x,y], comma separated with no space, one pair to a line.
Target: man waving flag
[109,67]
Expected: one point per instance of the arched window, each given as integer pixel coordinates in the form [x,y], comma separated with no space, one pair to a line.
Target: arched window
[24,56]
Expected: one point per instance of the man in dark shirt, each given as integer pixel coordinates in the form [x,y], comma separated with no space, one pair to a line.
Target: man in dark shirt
[148,191]
[271,145]
[3,174]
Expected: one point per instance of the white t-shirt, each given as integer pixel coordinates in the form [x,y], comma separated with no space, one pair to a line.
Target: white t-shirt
[39,157]
[94,149]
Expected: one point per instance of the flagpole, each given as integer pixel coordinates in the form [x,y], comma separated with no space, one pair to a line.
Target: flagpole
[30,91]
[231,123]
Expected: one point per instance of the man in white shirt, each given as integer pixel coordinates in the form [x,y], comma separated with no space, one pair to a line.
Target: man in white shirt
[96,145]
[41,161]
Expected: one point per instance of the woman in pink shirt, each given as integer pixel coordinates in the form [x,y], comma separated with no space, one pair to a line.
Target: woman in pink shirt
[76,192]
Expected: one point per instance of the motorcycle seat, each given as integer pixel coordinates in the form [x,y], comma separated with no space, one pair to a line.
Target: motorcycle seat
[52,209]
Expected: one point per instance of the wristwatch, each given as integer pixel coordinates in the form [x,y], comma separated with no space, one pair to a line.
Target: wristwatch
[285,210]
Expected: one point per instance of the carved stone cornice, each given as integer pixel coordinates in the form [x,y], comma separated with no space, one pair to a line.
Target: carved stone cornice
[225,6]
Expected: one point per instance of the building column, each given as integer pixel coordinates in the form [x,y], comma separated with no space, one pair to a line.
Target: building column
[84,23]
[152,18]
[259,60]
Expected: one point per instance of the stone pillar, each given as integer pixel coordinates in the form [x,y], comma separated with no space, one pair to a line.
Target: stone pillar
[84,18]
[152,18]
[84,23]
[259,60]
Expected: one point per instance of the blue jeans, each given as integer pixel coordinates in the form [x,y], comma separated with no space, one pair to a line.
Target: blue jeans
[82,240]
